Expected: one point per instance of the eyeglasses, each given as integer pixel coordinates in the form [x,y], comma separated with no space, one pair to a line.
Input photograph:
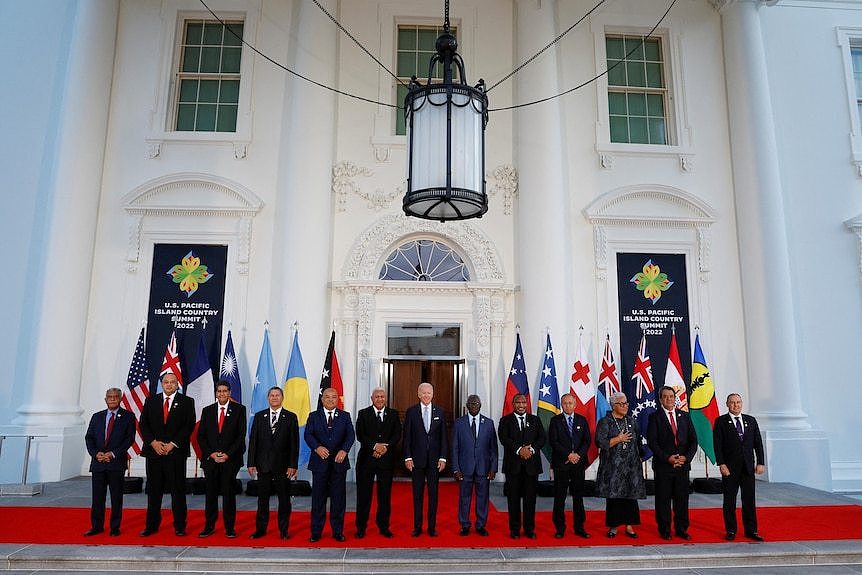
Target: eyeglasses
[621,403]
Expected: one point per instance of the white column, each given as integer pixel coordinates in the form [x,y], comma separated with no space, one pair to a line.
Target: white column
[303,227]
[61,302]
[770,331]
[542,224]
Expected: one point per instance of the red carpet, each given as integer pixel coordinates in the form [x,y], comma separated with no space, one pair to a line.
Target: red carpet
[66,526]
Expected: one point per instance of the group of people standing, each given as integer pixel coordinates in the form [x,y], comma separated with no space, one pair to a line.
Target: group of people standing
[168,418]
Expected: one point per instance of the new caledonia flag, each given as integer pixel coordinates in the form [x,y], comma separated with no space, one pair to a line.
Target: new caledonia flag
[703,407]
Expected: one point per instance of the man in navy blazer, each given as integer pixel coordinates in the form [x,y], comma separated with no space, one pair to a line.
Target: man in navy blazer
[426,443]
[329,434]
[221,436]
[569,438]
[167,421]
[109,436]
[673,441]
[739,454]
[474,463]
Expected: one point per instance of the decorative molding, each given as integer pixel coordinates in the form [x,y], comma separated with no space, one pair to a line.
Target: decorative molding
[154,150]
[364,259]
[686,163]
[855,226]
[649,206]
[381,153]
[342,181]
[240,150]
[506,177]
[380,199]
[858,166]
[606,160]
[720,5]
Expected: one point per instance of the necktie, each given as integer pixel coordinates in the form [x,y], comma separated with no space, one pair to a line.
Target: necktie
[739,431]
[220,419]
[521,422]
[273,419]
[110,428]
[473,427]
[672,420]
[380,416]
[329,419]
[569,423]
[167,407]
[426,417]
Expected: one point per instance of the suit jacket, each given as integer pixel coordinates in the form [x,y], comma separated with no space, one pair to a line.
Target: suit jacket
[177,429]
[425,449]
[730,451]
[512,439]
[661,440]
[337,438]
[562,444]
[119,443]
[274,452]
[369,431]
[231,440]
[472,455]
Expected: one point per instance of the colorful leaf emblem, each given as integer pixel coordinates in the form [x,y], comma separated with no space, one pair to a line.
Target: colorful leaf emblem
[189,274]
[652,281]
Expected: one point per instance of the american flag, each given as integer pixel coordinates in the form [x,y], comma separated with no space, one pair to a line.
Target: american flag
[138,385]
[171,363]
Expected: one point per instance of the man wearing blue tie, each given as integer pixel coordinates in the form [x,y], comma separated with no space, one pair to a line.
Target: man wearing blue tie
[329,434]
[569,438]
[109,436]
[474,464]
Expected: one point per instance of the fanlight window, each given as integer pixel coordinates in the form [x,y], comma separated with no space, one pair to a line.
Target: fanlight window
[423,261]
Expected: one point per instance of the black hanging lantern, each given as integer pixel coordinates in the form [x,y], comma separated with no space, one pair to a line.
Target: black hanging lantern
[446,140]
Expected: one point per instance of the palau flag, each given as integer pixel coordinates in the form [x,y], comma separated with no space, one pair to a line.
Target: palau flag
[703,407]
[296,396]
[516,383]
[264,379]
[548,398]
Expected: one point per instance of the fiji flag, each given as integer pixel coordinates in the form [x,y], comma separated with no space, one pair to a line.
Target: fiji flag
[229,371]
[643,392]
[517,380]
[296,396]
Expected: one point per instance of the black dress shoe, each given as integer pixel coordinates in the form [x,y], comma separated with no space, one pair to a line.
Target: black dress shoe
[387,533]
[581,532]
[115,532]
[230,534]
[180,532]
[465,531]
[284,535]
[206,532]
[416,533]
[665,536]
[631,534]
[730,536]
[360,533]
[432,533]
[683,535]
[530,535]
[559,535]
[612,533]
[92,532]
[257,535]
[754,536]
[314,539]
[482,531]
[514,535]
[339,537]
[147,532]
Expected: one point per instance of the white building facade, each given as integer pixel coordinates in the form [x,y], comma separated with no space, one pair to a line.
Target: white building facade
[739,147]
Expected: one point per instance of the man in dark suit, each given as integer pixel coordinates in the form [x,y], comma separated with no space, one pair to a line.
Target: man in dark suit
[673,441]
[167,421]
[474,464]
[378,430]
[329,434]
[426,443]
[569,438]
[522,437]
[273,453]
[109,436]
[739,454]
[221,436]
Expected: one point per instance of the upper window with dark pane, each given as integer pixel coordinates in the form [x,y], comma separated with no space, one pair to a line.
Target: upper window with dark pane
[208,77]
[637,90]
[415,48]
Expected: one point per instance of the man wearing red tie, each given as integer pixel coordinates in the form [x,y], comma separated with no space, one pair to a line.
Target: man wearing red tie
[167,421]
[739,454]
[673,440]
[221,436]
[109,436]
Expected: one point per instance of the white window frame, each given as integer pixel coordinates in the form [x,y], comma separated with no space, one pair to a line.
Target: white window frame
[851,37]
[162,129]
[676,110]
